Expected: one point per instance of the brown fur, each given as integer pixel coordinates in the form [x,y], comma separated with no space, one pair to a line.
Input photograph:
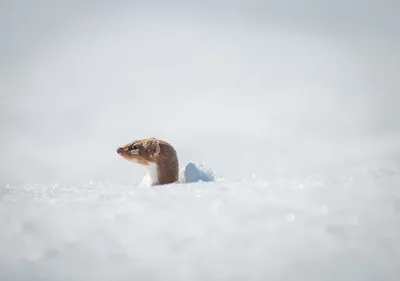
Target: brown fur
[152,150]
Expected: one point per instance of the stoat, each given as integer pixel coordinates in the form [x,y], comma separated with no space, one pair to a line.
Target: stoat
[157,156]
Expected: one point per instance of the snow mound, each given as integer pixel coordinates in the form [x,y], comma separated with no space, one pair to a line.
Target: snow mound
[193,173]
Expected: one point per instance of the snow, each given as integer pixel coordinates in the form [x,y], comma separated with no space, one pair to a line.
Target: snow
[319,227]
[196,173]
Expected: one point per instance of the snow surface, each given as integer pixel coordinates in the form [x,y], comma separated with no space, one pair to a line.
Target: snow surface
[321,227]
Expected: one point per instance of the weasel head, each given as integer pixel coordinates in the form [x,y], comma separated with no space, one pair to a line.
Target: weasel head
[143,152]
[157,156]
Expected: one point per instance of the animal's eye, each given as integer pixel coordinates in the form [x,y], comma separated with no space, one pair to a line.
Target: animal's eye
[133,147]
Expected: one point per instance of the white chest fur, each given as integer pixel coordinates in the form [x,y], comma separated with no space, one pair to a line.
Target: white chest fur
[153,173]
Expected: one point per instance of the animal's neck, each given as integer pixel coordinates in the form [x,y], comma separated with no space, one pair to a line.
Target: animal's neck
[153,173]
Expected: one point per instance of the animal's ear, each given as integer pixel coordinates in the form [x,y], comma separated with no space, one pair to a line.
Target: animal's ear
[156,149]
[153,147]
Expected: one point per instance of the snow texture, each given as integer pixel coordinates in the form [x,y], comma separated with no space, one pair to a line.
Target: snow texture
[196,173]
[321,227]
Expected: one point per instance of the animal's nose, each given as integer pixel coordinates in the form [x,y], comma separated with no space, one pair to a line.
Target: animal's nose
[120,149]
